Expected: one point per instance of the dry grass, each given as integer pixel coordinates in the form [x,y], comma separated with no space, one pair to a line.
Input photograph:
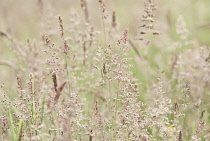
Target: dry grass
[89,74]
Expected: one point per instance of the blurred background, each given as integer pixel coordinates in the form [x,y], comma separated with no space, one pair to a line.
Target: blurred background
[29,19]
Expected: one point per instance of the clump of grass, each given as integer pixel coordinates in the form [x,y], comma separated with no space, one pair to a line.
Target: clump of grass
[76,82]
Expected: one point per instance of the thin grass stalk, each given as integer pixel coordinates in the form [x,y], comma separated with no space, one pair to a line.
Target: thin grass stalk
[105,39]
[84,51]
[85,9]
[9,64]
[66,49]
[135,49]
[43,108]
[180,136]
[33,110]
[67,73]
[101,2]
[104,30]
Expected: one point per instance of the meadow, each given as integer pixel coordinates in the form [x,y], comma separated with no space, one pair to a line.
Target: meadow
[104,70]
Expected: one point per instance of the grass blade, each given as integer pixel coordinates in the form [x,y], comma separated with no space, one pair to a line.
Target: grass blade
[12,126]
[20,128]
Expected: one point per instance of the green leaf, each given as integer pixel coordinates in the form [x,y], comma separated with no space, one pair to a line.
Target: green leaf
[12,126]
[20,129]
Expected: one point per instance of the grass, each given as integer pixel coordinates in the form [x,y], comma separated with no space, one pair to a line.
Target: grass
[104,70]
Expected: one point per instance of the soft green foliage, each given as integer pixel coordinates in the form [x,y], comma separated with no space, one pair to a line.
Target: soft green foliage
[12,127]
[20,128]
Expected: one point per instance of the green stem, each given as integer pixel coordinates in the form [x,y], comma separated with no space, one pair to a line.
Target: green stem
[67,73]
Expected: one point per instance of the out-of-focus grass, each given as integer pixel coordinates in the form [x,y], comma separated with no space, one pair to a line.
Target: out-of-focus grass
[24,19]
